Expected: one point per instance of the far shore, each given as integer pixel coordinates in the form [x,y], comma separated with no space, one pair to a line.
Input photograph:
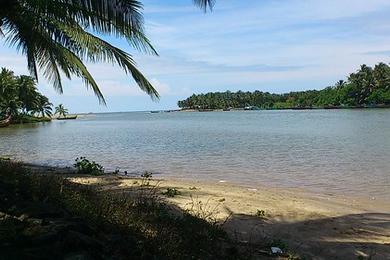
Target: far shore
[312,224]
[285,108]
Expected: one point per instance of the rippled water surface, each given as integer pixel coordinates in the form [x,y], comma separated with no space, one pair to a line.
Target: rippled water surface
[335,151]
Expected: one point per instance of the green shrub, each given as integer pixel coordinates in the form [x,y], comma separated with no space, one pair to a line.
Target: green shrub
[128,227]
[146,177]
[260,213]
[84,166]
[171,192]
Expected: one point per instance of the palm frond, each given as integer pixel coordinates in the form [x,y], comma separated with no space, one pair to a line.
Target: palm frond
[96,49]
[205,4]
[56,37]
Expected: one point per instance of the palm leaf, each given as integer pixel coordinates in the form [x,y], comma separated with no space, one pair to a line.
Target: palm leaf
[57,36]
[205,4]
[42,30]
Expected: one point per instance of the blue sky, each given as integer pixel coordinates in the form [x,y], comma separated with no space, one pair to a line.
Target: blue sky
[268,45]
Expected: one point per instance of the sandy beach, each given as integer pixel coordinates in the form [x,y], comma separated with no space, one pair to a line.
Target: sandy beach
[313,225]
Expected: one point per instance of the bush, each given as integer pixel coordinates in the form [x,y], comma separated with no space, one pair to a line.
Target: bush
[89,224]
[171,192]
[84,166]
[260,213]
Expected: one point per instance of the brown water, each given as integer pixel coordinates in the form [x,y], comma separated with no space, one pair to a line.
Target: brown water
[327,151]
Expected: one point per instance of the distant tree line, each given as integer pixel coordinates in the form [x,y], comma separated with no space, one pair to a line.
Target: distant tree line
[19,96]
[366,87]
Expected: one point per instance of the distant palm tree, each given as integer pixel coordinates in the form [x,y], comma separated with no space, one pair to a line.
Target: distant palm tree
[10,106]
[56,36]
[340,84]
[61,110]
[27,92]
[44,107]
[19,94]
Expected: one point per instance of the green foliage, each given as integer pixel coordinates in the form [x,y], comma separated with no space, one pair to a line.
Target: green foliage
[61,110]
[146,177]
[125,227]
[24,119]
[84,166]
[171,192]
[19,97]
[58,37]
[260,213]
[367,87]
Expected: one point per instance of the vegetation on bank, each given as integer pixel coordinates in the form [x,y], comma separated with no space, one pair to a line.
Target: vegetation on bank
[368,87]
[20,99]
[46,216]
[26,119]
[84,166]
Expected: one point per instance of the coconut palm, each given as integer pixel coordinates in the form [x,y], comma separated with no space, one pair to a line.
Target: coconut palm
[56,36]
[19,94]
[7,84]
[340,84]
[10,106]
[9,100]
[61,110]
[43,106]
[27,92]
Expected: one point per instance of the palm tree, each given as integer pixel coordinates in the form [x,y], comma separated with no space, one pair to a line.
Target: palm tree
[44,107]
[27,92]
[19,94]
[10,106]
[9,100]
[340,84]
[61,110]
[55,36]
[7,84]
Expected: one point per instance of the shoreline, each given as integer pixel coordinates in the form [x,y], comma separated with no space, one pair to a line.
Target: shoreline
[371,202]
[359,203]
[287,108]
[312,224]
[307,203]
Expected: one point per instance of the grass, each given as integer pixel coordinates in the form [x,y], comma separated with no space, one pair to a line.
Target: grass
[171,192]
[45,216]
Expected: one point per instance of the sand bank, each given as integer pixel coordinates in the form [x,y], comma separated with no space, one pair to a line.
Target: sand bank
[316,226]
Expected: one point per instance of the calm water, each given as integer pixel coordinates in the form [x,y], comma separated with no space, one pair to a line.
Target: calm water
[340,151]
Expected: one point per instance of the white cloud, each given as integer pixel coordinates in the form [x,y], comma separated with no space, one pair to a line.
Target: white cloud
[266,44]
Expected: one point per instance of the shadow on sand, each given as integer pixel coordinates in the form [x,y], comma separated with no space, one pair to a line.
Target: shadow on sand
[353,236]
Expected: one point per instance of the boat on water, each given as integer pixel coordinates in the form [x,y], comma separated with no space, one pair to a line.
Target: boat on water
[67,118]
[6,122]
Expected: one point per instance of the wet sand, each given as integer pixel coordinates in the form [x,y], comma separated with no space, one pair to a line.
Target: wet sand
[314,225]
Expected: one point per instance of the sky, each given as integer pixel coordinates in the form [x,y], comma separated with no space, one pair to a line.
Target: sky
[267,45]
